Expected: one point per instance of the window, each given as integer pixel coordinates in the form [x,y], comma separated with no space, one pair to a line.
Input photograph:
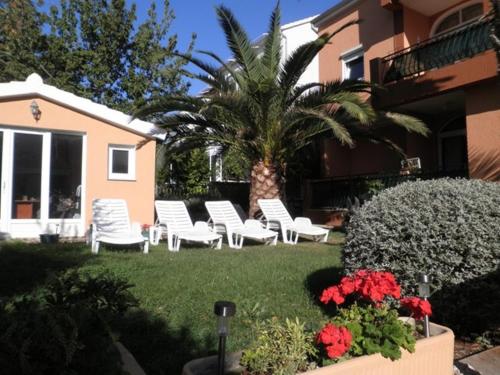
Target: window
[27,176]
[353,64]
[121,163]
[458,17]
[65,176]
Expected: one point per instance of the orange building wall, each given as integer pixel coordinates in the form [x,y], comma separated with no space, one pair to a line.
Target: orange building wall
[416,27]
[139,194]
[483,131]
[374,33]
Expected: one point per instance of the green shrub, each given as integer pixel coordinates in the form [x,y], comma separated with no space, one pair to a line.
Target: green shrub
[447,228]
[279,349]
[64,328]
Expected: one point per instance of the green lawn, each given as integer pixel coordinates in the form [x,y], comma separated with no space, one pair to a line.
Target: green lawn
[176,291]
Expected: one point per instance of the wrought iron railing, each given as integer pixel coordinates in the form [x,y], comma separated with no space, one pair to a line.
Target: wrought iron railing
[439,51]
[336,193]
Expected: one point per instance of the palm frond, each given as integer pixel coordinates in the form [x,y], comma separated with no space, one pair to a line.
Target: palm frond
[339,131]
[237,40]
[272,45]
[410,123]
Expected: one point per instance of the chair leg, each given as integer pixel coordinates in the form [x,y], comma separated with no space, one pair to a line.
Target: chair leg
[177,243]
[239,241]
[275,240]
[230,239]
[296,239]
[325,237]
[219,243]
[95,247]
[170,241]
[145,247]
[284,235]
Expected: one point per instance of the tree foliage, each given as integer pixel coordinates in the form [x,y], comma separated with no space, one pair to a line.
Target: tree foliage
[92,48]
[255,106]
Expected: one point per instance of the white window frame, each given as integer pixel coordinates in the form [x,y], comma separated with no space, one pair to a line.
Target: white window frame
[130,175]
[458,9]
[351,55]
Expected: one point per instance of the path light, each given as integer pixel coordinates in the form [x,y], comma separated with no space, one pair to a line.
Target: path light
[35,110]
[224,311]
[424,291]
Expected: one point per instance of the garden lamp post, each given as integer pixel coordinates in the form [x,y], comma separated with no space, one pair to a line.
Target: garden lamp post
[224,310]
[424,291]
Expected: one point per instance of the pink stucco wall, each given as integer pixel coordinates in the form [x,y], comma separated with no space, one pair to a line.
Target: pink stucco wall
[139,194]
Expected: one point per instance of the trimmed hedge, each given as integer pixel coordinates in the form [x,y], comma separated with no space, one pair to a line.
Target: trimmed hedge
[447,228]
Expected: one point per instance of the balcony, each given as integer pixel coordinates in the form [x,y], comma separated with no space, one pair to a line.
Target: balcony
[437,52]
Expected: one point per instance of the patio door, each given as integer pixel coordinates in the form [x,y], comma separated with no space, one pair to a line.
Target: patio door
[41,175]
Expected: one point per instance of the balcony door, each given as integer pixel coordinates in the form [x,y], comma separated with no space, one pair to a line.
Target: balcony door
[453,147]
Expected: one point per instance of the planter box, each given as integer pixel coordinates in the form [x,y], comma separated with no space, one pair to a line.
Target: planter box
[433,356]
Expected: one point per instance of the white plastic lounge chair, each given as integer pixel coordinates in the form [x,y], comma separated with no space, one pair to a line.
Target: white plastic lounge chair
[226,219]
[111,224]
[175,217]
[277,216]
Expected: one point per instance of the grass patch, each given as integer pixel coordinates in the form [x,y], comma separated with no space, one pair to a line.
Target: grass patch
[175,322]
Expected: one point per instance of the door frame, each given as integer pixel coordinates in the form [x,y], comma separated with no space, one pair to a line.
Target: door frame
[29,228]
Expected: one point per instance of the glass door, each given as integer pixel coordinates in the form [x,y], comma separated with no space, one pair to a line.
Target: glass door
[26,176]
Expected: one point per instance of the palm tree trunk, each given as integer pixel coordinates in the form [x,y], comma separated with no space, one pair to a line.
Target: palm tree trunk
[265,183]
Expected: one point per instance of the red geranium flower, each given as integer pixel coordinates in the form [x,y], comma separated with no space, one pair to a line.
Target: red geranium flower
[337,340]
[347,285]
[334,294]
[418,307]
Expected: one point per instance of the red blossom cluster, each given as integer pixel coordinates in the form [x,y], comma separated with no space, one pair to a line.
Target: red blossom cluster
[373,286]
[337,340]
[418,307]
[370,285]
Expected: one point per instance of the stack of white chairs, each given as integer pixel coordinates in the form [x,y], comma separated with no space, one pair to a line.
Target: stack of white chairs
[111,224]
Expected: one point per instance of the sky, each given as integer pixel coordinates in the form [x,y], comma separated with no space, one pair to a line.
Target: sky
[198,16]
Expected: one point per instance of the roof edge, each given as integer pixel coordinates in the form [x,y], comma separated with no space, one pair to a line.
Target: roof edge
[334,11]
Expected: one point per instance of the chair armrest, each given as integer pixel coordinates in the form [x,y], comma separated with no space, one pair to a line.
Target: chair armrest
[252,223]
[202,226]
[302,222]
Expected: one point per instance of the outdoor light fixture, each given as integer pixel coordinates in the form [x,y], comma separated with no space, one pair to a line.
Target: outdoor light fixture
[224,311]
[35,110]
[424,291]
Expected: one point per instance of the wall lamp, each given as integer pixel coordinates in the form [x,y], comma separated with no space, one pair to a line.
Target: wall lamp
[35,110]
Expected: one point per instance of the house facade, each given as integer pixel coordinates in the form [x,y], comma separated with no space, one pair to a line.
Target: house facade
[432,59]
[58,152]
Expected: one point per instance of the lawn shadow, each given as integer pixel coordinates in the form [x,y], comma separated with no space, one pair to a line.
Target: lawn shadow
[24,267]
[158,348]
[318,281]
[470,308]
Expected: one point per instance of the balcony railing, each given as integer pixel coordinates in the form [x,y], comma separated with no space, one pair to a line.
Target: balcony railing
[335,193]
[439,51]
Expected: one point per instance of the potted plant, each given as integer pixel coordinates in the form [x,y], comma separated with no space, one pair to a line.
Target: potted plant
[369,337]
[365,337]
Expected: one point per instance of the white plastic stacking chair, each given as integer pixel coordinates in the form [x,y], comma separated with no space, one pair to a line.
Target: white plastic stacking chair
[175,217]
[277,216]
[111,224]
[226,219]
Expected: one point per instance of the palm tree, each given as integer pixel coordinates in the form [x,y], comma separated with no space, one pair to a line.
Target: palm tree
[254,105]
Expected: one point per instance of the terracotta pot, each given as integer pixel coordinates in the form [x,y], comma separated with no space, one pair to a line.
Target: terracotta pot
[432,356]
